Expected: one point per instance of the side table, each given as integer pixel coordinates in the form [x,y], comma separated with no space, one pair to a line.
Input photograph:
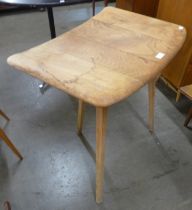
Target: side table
[104,61]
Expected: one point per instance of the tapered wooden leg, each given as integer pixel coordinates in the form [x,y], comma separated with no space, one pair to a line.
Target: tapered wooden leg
[101,117]
[188,118]
[80,117]
[4,137]
[7,205]
[178,96]
[151,93]
[4,115]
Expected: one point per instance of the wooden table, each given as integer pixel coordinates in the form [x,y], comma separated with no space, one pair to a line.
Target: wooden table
[187,91]
[102,62]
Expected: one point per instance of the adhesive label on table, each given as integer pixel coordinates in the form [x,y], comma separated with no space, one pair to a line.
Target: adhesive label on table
[181,28]
[62,1]
[160,55]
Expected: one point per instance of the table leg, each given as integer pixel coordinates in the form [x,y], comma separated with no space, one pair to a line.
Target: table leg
[80,117]
[188,118]
[43,87]
[4,137]
[178,95]
[151,93]
[93,7]
[51,22]
[7,205]
[4,115]
[101,117]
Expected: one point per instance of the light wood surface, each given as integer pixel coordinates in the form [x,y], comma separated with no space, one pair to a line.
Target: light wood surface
[105,59]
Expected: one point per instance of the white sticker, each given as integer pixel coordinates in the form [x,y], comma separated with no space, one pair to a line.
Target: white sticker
[181,28]
[62,1]
[160,55]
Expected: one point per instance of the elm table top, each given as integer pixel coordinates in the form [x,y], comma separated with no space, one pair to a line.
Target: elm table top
[107,58]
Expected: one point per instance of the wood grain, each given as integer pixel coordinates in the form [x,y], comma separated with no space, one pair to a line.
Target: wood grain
[103,61]
[106,59]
